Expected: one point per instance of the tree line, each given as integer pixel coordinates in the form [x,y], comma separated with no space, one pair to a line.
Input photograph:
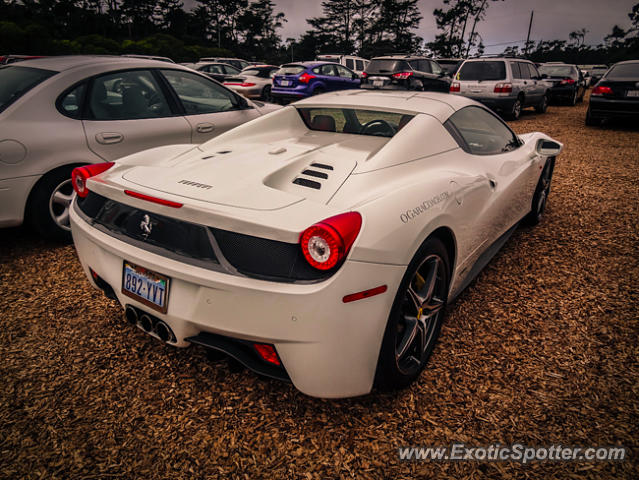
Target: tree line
[251,29]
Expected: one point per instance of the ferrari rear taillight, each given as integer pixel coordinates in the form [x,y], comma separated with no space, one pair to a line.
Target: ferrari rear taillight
[567,81]
[503,88]
[80,175]
[455,87]
[601,90]
[402,75]
[327,242]
[306,77]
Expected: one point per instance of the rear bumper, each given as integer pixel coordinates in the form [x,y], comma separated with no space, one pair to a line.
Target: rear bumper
[328,348]
[504,104]
[561,92]
[610,107]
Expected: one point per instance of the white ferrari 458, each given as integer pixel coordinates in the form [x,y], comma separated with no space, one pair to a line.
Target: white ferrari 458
[319,243]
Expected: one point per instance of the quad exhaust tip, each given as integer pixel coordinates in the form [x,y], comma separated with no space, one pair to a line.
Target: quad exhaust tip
[146,323]
[163,331]
[131,315]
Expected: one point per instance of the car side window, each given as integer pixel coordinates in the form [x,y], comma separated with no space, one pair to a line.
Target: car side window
[229,70]
[327,70]
[436,69]
[359,65]
[198,94]
[71,103]
[127,95]
[525,73]
[515,68]
[483,132]
[349,63]
[344,72]
[534,74]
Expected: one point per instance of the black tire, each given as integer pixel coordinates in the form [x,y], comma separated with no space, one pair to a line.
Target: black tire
[47,212]
[515,110]
[540,198]
[318,91]
[266,94]
[573,99]
[591,121]
[542,106]
[403,356]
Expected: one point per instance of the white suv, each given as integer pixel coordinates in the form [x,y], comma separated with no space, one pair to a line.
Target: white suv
[505,85]
[357,64]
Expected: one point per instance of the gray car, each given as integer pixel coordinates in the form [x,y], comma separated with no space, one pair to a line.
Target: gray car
[57,113]
[253,82]
[506,85]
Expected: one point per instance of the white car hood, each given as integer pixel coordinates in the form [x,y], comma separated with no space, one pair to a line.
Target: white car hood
[253,175]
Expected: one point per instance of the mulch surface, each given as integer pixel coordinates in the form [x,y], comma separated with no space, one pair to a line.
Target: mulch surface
[542,349]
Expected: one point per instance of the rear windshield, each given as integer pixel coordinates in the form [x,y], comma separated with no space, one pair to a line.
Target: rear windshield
[291,69]
[16,81]
[355,121]
[387,66]
[626,70]
[482,71]
[558,71]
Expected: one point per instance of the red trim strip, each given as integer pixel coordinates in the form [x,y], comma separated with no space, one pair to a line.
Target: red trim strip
[365,294]
[149,198]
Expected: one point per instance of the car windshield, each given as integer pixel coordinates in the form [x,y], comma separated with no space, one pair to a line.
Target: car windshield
[16,81]
[387,66]
[493,70]
[355,121]
[291,69]
[557,71]
[625,70]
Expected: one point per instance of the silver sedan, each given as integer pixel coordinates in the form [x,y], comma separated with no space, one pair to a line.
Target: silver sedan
[57,113]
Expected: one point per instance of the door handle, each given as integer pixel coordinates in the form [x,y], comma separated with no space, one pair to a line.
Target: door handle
[205,127]
[492,183]
[107,138]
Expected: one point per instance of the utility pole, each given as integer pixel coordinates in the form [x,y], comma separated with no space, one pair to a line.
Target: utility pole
[532,12]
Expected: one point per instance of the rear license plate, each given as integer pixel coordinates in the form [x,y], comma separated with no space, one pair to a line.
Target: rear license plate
[285,83]
[378,83]
[145,286]
[632,93]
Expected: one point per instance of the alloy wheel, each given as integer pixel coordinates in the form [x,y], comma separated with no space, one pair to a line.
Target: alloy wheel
[422,305]
[60,203]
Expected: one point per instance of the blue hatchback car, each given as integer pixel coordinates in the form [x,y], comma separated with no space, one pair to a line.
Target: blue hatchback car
[295,81]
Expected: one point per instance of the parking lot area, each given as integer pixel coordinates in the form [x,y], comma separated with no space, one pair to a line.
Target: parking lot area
[540,350]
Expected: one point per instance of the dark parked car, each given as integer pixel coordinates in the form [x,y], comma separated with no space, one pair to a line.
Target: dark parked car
[451,65]
[565,82]
[405,72]
[295,81]
[616,95]
[217,71]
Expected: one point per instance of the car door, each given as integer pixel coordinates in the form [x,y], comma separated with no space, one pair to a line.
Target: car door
[209,108]
[128,111]
[500,164]
[329,77]
[537,86]
[348,78]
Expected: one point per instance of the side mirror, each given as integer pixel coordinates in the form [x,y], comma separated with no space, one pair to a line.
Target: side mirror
[548,148]
[543,75]
[243,103]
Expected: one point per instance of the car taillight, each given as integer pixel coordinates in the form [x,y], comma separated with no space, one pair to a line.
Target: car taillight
[327,242]
[80,175]
[364,74]
[305,77]
[244,84]
[455,87]
[503,88]
[601,90]
[402,75]
[567,81]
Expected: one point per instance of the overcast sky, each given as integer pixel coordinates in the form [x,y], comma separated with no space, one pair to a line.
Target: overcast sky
[506,21]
